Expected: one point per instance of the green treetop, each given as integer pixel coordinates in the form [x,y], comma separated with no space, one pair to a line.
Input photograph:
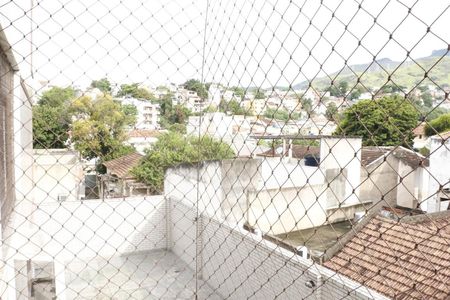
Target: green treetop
[383,122]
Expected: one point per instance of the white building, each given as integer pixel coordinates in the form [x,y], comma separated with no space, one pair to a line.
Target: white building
[191,100]
[57,176]
[214,95]
[439,183]
[142,139]
[148,113]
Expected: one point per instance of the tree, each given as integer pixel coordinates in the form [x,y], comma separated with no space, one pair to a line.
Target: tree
[172,149]
[51,119]
[306,105]
[57,96]
[233,106]
[50,129]
[387,121]
[196,86]
[427,99]
[356,92]
[281,114]
[340,90]
[133,90]
[438,125]
[332,112]
[103,85]
[131,113]
[238,92]
[259,94]
[172,114]
[98,129]
[343,87]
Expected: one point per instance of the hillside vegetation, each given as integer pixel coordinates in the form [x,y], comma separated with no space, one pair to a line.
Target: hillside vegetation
[407,74]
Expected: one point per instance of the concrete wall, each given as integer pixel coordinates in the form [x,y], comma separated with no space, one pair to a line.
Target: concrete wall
[276,173]
[380,186]
[343,154]
[57,172]
[439,166]
[392,182]
[240,265]
[92,228]
[6,139]
[277,211]
[238,176]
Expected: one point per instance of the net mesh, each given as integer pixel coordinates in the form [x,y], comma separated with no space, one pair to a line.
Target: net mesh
[224,149]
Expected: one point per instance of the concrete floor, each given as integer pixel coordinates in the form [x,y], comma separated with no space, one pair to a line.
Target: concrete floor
[149,275]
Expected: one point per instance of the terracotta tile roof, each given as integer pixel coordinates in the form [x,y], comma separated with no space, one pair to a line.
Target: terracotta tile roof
[298,151]
[420,129]
[122,166]
[143,133]
[402,260]
[370,154]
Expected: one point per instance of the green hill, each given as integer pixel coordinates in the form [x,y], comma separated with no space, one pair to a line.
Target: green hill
[407,74]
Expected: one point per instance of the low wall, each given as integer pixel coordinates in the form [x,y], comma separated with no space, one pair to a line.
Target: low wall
[94,228]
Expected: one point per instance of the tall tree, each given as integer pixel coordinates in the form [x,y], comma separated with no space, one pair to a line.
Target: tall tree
[133,90]
[102,84]
[98,129]
[51,119]
[387,121]
[259,94]
[332,112]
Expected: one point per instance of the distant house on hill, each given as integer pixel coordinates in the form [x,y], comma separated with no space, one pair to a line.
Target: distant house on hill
[142,139]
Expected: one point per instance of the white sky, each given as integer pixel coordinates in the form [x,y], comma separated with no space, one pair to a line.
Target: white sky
[248,42]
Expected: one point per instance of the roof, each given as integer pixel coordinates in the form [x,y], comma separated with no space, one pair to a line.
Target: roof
[370,154]
[122,166]
[298,151]
[409,157]
[443,135]
[143,133]
[402,260]
[420,129]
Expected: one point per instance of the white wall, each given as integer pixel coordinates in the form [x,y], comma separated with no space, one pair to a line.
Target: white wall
[343,153]
[277,211]
[439,168]
[57,172]
[92,228]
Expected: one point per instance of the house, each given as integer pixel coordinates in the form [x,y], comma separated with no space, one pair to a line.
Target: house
[420,139]
[58,176]
[119,182]
[191,100]
[142,139]
[393,176]
[402,258]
